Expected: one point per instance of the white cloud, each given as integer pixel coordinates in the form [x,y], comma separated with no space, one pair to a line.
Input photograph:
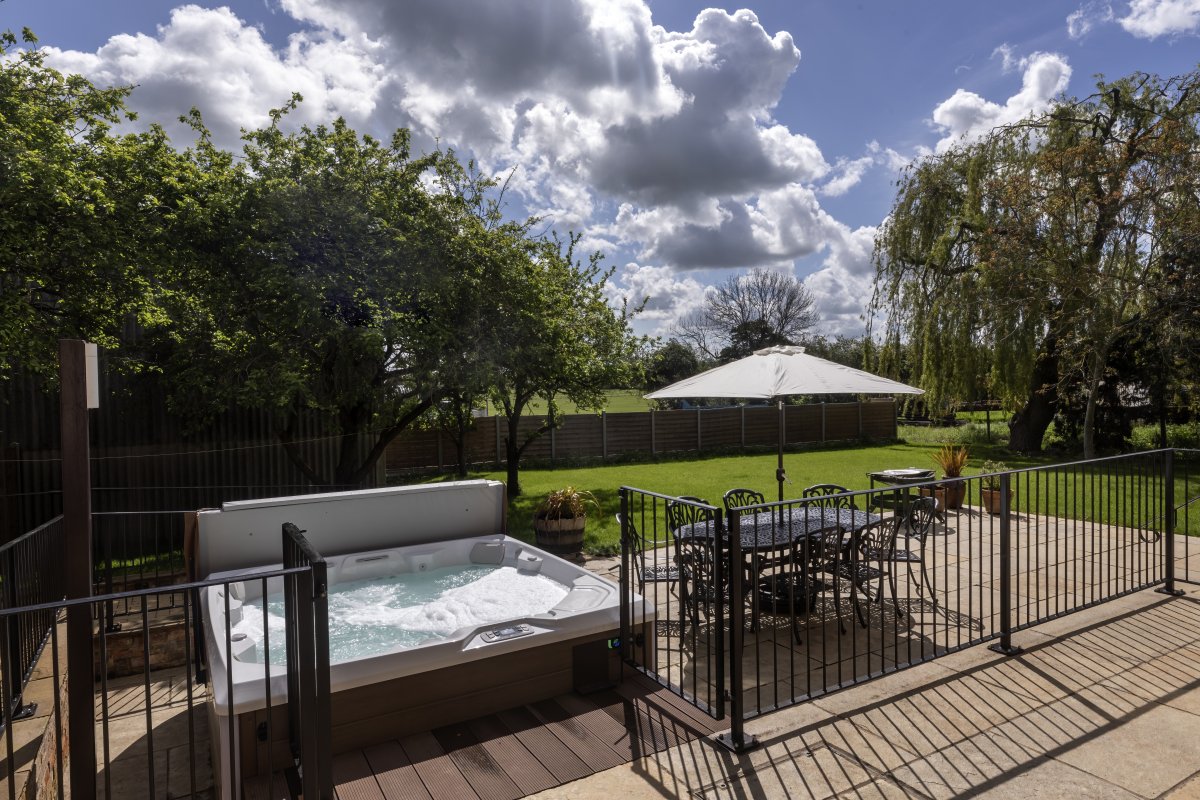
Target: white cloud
[659,143]
[842,287]
[669,294]
[847,175]
[210,59]
[1008,58]
[1082,20]
[967,115]
[1149,19]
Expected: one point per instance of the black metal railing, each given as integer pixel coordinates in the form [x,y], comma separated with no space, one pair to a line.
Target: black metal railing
[682,655]
[814,595]
[137,550]
[306,603]
[161,705]
[30,574]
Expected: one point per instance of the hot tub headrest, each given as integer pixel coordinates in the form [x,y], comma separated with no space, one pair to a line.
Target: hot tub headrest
[248,533]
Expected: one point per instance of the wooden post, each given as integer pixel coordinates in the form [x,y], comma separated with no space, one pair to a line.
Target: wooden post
[860,420]
[553,445]
[743,407]
[603,435]
[499,456]
[653,444]
[823,437]
[699,440]
[441,459]
[77,526]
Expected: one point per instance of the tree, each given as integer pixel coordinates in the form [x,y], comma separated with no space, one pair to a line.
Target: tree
[743,313]
[1035,248]
[335,284]
[86,213]
[672,362]
[560,338]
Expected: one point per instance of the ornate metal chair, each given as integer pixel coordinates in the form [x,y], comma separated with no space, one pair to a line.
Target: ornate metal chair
[825,495]
[740,498]
[695,557]
[796,589]
[658,571]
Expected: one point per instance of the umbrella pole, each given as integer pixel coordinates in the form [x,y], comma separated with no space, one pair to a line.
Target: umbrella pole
[780,475]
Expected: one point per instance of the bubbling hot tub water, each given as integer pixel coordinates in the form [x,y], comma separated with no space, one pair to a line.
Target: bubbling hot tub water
[379,615]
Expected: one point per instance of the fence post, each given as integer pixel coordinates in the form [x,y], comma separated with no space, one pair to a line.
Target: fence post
[625,584]
[653,444]
[736,740]
[499,459]
[1005,646]
[1169,525]
[77,528]
[860,421]
[743,407]
[603,435]
[699,440]
[823,435]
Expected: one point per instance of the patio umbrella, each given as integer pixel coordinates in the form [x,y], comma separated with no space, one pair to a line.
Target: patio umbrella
[776,372]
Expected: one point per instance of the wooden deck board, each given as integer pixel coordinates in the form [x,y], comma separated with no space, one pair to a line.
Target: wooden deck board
[353,778]
[595,753]
[518,751]
[397,777]
[563,764]
[486,777]
[529,774]
[438,772]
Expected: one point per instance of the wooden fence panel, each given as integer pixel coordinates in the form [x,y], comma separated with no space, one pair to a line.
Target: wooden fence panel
[629,432]
[580,436]
[674,430]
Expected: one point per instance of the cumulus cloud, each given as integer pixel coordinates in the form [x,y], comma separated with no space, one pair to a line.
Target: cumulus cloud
[842,287]
[1149,19]
[210,59]
[1082,20]
[966,115]
[668,294]
[653,142]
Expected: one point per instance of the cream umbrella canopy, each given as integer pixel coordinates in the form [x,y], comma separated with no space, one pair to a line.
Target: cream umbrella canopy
[776,372]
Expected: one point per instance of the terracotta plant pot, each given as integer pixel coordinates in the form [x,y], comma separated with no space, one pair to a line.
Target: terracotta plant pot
[559,536]
[991,500]
[949,495]
[956,493]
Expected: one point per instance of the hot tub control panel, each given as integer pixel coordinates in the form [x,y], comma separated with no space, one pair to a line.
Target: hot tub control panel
[507,632]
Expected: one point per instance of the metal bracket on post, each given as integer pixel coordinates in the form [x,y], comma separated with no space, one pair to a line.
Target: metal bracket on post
[1168,587]
[1005,646]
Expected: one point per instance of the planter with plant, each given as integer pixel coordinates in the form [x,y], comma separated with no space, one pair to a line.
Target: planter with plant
[952,460]
[989,490]
[558,521]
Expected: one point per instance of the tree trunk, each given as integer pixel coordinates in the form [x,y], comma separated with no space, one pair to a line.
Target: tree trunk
[460,451]
[1028,425]
[513,454]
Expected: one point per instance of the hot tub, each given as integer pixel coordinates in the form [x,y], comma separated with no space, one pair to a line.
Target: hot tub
[446,646]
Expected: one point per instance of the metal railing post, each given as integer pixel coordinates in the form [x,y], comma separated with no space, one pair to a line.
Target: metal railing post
[736,740]
[626,590]
[1005,646]
[1169,526]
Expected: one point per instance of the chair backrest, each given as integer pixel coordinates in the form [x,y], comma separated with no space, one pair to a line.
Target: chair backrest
[877,540]
[921,514]
[819,550]
[826,496]
[687,510]
[630,534]
[740,498]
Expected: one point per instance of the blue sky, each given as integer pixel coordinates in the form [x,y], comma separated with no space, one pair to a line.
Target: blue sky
[686,142]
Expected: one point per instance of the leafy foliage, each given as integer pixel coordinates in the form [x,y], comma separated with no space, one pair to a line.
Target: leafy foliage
[1016,263]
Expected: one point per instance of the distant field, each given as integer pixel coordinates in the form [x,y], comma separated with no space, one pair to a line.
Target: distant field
[619,400]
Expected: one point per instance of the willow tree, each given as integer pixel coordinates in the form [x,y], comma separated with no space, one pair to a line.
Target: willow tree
[1017,261]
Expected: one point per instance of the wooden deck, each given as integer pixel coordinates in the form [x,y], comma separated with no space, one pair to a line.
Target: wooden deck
[515,752]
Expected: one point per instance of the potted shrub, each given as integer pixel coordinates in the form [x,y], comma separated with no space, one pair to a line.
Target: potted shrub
[952,460]
[990,488]
[559,519]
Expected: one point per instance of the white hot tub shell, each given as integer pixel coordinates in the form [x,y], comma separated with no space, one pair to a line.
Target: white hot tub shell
[473,671]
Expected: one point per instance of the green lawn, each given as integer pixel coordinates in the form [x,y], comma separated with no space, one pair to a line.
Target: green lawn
[708,477]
